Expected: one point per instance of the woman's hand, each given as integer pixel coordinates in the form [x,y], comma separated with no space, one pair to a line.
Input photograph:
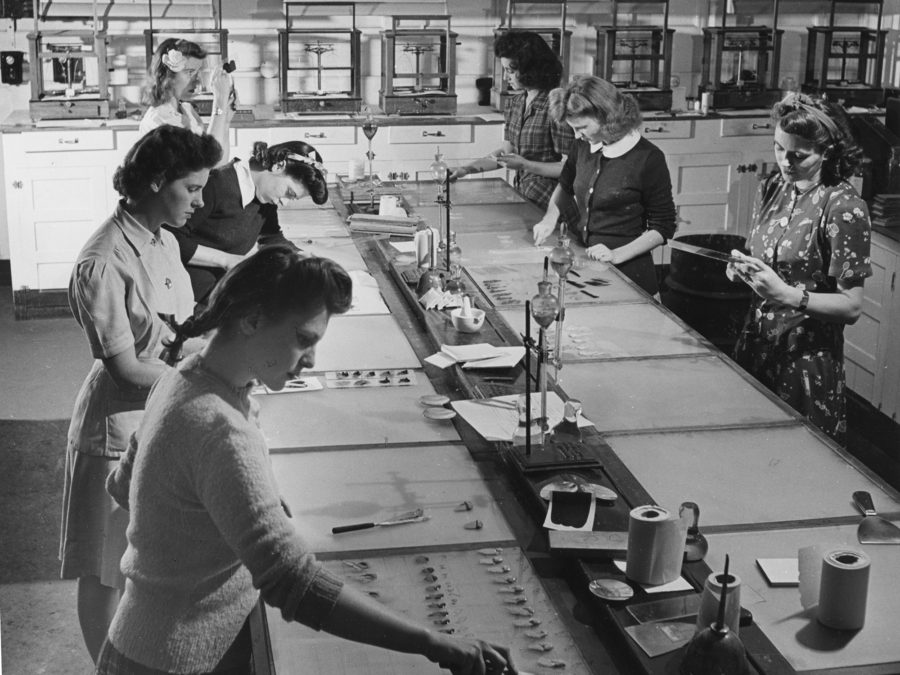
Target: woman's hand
[464,657]
[461,172]
[758,276]
[511,161]
[222,86]
[543,230]
[602,253]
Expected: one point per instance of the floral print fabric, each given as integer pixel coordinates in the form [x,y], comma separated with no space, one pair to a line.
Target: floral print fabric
[812,240]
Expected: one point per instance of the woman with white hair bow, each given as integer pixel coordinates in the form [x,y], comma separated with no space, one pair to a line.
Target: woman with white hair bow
[171,82]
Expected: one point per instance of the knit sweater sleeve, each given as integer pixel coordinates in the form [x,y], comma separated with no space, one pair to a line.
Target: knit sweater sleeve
[235,482]
[659,205]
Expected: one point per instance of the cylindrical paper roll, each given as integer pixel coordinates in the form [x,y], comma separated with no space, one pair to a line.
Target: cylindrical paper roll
[355,169]
[424,243]
[844,589]
[655,545]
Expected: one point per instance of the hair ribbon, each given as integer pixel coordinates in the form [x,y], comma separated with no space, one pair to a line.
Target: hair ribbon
[318,166]
[805,103]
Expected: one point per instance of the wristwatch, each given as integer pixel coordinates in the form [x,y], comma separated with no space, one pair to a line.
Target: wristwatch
[804,301]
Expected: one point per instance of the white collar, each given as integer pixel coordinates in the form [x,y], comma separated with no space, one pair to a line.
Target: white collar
[620,147]
[245,182]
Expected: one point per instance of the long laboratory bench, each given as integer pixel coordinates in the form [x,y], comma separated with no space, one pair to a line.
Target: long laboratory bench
[674,420]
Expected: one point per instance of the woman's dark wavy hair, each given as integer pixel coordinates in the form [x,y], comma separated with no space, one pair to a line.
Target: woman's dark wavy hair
[824,124]
[531,57]
[590,96]
[162,155]
[275,280]
[159,78]
[264,158]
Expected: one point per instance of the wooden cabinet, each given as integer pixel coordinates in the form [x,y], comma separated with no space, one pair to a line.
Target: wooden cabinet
[872,344]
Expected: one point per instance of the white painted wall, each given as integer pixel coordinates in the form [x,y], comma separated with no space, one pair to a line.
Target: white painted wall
[252,26]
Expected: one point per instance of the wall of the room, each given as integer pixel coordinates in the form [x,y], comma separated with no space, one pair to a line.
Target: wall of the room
[252,26]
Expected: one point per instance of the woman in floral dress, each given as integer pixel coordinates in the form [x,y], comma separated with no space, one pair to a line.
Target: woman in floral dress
[809,256]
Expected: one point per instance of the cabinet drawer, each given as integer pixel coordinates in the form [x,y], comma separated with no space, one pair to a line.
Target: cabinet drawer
[455,133]
[662,129]
[759,126]
[62,141]
[315,136]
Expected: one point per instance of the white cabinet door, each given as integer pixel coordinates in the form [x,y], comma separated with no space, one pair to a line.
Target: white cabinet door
[707,193]
[871,349]
[54,210]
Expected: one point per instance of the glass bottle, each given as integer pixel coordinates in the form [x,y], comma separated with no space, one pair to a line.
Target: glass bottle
[454,283]
[439,168]
[562,257]
[544,307]
[567,430]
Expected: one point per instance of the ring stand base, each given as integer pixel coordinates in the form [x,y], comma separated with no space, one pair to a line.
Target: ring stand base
[554,455]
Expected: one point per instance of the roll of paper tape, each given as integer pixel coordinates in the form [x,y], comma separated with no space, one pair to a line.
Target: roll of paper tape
[844,589]
[355,169]
[655,545]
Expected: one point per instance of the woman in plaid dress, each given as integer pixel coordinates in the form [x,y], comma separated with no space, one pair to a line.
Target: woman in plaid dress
[534,145]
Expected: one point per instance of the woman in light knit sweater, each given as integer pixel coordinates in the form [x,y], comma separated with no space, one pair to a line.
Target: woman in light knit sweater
[207,526]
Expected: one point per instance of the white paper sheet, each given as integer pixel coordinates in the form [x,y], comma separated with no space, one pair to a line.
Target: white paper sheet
[496,419]
[508,359]
[680,584]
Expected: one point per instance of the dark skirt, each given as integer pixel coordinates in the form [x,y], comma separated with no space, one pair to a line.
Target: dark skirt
[238,660]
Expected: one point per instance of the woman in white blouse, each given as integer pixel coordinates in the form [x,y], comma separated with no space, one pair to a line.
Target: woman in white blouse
[171,82]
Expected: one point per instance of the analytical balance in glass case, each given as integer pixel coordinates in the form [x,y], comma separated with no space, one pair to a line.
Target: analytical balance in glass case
[320,63]
[741,58]
[634,51]
[845,62]
[418,66]
[69,75]
[557,37]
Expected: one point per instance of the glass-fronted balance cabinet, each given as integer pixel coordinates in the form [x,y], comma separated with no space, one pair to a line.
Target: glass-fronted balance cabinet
[845,57]
[741,57]
[418,66]
[634,51]
[69,75]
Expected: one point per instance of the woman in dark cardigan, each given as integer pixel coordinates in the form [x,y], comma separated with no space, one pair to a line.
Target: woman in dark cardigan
[240,209]
[617,178]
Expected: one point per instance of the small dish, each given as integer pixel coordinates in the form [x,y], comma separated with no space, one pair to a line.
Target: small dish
[439,413]
[611,590]
[600,492]
[432,400]
[467,323]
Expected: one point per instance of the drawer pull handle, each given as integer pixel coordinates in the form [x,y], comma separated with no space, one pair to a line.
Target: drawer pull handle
[761,126]
[439,134]
[67,141]
[655,130]
[308,134]
[17,184]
